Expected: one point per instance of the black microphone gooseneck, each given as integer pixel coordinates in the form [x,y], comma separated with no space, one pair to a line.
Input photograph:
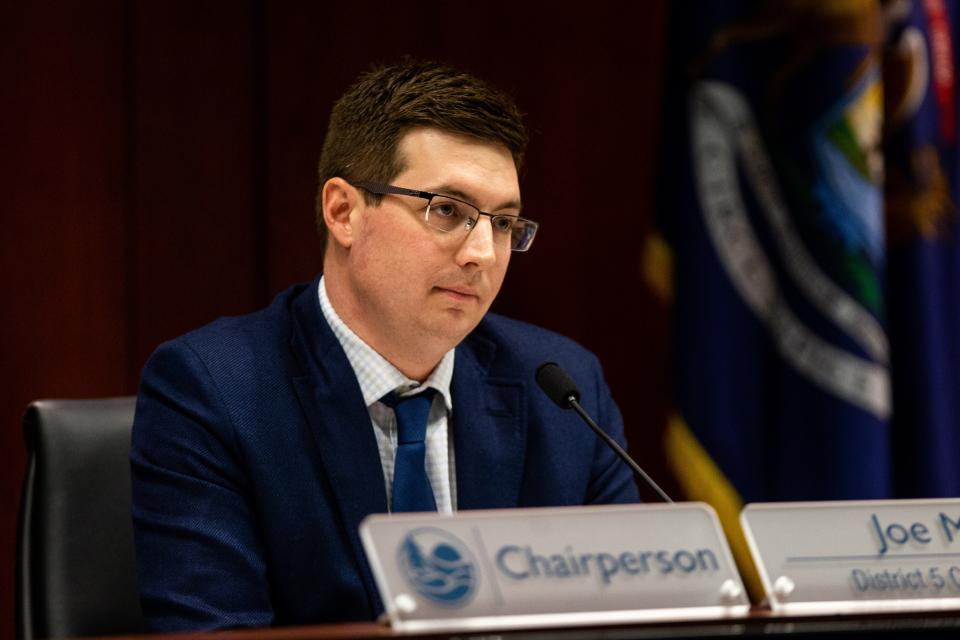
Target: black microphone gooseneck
[560,388]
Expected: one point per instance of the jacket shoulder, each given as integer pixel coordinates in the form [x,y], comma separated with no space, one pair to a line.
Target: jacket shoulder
[230,345]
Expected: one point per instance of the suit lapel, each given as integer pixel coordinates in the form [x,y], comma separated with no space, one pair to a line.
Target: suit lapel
[333,404]
[489,427]
[489,430]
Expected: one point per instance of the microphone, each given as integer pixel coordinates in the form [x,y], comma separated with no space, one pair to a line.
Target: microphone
[561,388]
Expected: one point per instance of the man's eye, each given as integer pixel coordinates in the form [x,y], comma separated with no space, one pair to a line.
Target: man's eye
[445,210]
[503,223]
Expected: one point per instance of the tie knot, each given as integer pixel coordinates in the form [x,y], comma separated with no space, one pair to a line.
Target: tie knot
[394,399]
[412,413]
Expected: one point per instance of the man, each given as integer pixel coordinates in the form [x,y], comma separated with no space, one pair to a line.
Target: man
[261,442]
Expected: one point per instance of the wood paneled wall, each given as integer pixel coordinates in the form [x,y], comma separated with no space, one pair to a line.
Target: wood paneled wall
[158,162]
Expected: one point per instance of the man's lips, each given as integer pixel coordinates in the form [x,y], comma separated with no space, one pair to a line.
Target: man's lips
[460,292]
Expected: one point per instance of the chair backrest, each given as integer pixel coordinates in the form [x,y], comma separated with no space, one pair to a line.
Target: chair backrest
[76,571]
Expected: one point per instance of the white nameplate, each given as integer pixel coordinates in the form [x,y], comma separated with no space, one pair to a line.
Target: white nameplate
[566,565]
[851,556]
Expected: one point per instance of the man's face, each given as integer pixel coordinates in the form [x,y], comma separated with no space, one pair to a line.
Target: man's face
[415,287]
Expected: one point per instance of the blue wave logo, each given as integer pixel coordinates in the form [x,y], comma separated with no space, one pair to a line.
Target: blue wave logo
[438,566]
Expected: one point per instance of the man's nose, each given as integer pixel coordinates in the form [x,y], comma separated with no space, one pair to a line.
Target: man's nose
[480,245]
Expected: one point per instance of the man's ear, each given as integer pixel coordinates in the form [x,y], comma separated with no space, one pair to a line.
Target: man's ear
[341,201]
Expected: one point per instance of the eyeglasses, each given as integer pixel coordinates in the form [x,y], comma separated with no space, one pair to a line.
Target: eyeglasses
[451,215]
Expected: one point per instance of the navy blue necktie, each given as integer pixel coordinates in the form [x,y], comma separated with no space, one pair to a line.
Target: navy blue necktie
[411,486]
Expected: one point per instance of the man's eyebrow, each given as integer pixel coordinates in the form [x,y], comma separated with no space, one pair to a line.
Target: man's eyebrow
[447,190]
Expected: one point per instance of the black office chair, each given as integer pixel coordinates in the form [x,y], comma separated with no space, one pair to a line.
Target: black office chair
[76,574]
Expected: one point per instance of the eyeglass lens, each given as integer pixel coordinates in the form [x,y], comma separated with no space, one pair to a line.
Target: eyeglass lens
[452,215]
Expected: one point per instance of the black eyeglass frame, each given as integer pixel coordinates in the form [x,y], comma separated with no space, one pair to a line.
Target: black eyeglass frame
[529,227]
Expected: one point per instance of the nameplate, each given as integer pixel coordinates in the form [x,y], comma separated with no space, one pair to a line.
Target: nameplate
[844,557]
[542,567]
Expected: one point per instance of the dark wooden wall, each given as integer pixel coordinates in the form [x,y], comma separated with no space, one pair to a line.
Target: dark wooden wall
[157,171]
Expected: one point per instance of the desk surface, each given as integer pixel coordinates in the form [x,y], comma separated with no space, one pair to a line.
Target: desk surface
[930,624]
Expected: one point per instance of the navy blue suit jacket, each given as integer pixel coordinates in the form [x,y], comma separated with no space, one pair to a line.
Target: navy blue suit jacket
[254,461]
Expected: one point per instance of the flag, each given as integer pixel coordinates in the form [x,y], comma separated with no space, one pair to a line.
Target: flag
[924,262]
[772,207]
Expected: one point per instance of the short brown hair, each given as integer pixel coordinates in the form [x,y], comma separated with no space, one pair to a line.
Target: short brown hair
[369,120]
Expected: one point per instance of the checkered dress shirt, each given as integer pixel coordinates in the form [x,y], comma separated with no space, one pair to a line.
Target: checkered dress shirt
[377,378]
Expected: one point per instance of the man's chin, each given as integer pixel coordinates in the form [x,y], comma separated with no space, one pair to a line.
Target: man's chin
[454,325]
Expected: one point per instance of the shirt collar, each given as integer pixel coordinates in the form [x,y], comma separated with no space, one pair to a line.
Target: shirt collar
[377,377]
